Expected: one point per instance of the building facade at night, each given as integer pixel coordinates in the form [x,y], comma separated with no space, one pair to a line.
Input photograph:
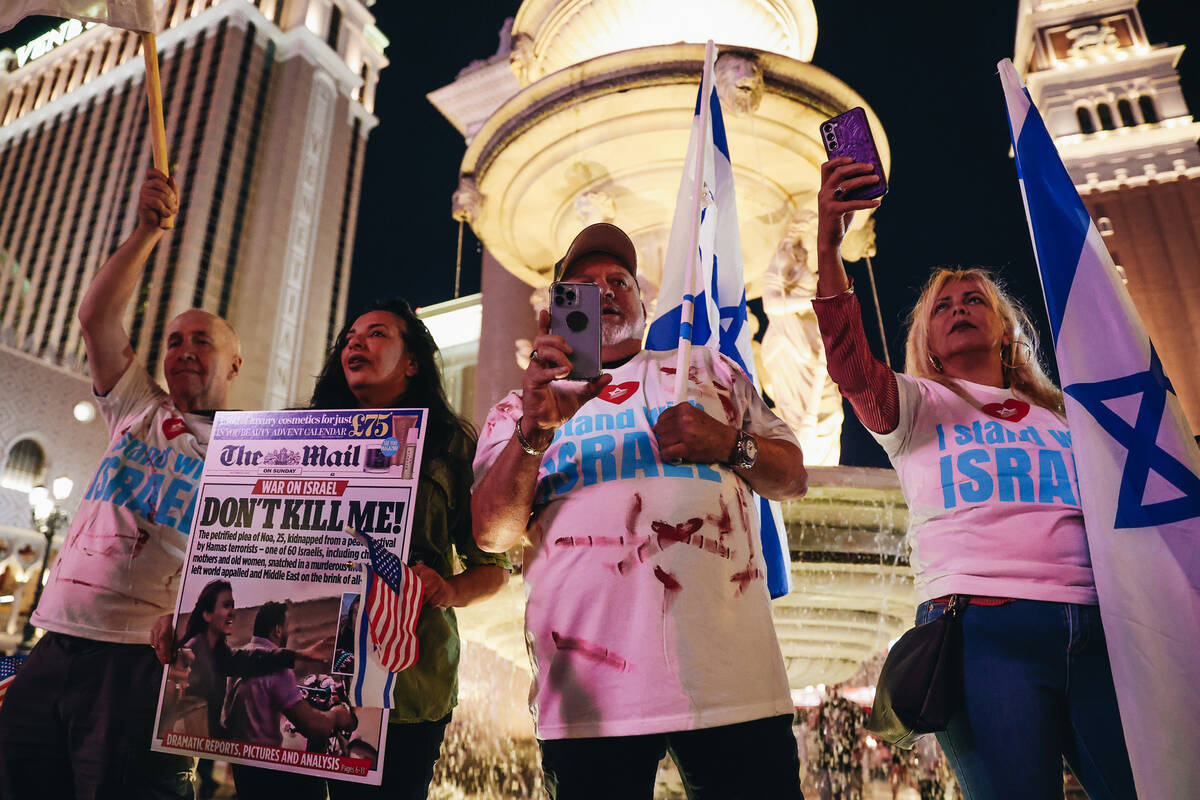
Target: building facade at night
[1114,105]
[268,105]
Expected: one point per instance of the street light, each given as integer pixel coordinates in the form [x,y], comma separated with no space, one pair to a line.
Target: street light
[48,517]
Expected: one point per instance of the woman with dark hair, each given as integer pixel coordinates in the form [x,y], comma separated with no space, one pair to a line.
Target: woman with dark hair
[206,634]
[386,358]
[976,432]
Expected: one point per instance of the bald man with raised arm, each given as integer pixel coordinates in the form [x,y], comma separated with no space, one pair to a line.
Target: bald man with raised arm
[78,719]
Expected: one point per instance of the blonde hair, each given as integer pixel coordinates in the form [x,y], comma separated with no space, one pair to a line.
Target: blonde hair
[1020,360]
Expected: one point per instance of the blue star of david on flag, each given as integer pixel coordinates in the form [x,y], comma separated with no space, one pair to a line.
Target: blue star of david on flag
[1144,455]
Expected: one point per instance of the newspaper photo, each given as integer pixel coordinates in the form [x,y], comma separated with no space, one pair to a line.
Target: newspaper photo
[267,619]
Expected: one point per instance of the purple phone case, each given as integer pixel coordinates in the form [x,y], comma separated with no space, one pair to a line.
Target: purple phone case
[849,134]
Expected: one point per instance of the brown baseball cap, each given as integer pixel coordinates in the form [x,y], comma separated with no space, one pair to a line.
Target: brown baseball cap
[601,237]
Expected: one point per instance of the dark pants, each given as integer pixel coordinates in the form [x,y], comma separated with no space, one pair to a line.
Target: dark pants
[1037,688]
[77,722]
[256,783]
[747,761]
[412,750]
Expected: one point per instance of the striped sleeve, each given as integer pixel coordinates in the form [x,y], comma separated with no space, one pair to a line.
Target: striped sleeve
[863,380]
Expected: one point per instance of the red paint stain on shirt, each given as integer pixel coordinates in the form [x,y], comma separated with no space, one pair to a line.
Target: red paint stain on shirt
[589,650]
[667,579]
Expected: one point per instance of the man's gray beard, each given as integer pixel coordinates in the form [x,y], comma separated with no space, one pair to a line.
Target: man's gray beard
[615,334]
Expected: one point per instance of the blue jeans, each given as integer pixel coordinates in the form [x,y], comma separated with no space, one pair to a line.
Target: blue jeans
[1037,688]
[752,760]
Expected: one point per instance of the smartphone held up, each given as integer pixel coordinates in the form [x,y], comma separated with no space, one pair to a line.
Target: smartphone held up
[575,316]
[849,135]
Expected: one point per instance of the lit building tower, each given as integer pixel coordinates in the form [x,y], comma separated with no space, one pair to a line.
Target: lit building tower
[1113,103]
[268,106]
[584,116]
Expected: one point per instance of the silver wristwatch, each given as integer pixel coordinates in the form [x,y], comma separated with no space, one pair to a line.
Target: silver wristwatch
[745,451]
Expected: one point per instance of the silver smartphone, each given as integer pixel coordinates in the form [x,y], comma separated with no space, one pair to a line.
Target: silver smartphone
[575,316]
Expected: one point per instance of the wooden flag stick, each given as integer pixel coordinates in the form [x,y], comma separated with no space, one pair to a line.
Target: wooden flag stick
[158,129]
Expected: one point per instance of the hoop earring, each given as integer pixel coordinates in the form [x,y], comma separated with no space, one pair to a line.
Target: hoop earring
[1028,356]
[935,362]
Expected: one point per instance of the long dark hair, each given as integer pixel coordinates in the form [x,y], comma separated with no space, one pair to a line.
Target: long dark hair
[206,603]
[424,388]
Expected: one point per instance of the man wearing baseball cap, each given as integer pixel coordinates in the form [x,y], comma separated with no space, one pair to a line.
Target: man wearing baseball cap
[647,619]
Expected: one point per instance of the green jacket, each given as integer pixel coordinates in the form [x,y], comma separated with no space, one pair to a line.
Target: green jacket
[441,537]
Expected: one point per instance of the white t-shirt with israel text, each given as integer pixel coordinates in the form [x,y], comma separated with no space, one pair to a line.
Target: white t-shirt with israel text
[119,567]
[993,499]
[647,607]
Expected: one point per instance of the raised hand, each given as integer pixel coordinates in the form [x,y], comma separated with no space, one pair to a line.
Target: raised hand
[839,177]
[158,200]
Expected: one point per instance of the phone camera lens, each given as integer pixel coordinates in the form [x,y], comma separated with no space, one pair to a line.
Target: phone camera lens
[833,145]
[570,297]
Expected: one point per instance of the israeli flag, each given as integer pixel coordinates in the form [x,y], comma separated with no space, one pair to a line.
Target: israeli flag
[1138,467]
[372,684]
[719,291]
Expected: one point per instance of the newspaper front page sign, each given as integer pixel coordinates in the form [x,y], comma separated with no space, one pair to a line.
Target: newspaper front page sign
[268,600]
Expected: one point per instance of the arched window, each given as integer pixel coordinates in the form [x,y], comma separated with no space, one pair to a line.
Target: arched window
[1125,109]
[1105,226]
[1086,123]
[24,466]
[1149,112]
[1105,115]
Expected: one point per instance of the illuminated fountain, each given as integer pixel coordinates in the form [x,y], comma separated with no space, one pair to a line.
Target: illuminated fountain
[584,116]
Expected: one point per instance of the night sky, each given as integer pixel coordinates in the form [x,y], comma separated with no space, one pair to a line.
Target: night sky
[927,70]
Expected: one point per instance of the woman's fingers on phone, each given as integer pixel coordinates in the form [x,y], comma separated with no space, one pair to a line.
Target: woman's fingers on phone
[847,172]
[860,205]
[842,166]
[833,163]
[851,184]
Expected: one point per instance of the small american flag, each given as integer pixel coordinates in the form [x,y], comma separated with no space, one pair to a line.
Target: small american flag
[391,604]
[8,672]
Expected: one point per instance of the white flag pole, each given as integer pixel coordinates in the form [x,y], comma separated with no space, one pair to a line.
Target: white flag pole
[687,310]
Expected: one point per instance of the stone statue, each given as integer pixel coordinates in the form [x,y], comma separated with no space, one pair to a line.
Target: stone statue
[520,57]
[793,355]
[466,200]
[739,83]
